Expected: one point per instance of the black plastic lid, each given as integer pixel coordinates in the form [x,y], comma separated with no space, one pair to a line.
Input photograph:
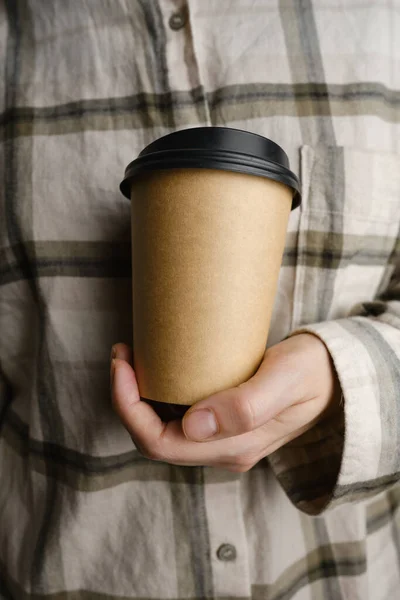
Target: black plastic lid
[215,148]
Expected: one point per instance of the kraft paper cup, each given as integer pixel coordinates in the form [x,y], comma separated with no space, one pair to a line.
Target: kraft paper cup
[210,208]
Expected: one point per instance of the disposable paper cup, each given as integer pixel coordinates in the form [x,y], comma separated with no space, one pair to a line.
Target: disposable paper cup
[210,208]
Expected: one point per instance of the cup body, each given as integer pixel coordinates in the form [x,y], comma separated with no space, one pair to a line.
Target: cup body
[207,247]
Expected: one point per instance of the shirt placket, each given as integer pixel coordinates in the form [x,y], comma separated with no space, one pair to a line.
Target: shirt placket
[228,541]
[188,97]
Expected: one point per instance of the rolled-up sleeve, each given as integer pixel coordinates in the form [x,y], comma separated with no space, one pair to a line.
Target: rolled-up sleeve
[356,452]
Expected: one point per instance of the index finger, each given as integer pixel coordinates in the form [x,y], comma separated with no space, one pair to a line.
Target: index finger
[166,441]
[141,421]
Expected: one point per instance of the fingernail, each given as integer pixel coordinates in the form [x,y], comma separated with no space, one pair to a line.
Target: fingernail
[113,353]
[112,372]
[200,424]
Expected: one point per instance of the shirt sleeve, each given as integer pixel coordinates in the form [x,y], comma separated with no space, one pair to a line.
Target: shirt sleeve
[355,453]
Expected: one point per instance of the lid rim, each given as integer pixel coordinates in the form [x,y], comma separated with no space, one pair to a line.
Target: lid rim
[281,175]
[220,148]
[194,154]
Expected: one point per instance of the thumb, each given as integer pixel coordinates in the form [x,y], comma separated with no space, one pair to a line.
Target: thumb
[246,407]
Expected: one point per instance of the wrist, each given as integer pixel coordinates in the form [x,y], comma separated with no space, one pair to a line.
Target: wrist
[326,384]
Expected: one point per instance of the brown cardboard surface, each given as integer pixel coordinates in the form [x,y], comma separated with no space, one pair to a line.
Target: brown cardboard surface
[207,247]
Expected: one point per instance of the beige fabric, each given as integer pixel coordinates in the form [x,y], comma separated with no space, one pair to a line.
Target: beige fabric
[84,86]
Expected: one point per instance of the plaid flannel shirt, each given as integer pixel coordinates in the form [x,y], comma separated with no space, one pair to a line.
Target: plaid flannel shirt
[84,86]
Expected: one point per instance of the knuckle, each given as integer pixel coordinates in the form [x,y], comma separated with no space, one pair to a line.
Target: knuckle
[231,468]
[151,453]
[155,453]
[244,463]
[240,468]
[242,409]
[140,449]
[280,362]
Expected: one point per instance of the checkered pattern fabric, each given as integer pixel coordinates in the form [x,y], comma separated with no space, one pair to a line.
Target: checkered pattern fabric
[84,87]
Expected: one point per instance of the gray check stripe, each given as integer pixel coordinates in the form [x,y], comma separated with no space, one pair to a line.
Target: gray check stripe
[86,472]
[237,102]
[365,489]
[328,569]
[335,200]
[318,93]
[70,259]
[155,56]
[50,418]
[304,43]
[302,484]
[347,559]
[113,259]
[326,562]
[382,511]
[17,434]
[191,530]
[387,364]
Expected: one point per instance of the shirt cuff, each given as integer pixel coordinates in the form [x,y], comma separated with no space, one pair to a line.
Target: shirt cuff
[351,455]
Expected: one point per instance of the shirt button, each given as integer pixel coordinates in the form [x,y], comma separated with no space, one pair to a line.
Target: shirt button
[226,552]
[178,20]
